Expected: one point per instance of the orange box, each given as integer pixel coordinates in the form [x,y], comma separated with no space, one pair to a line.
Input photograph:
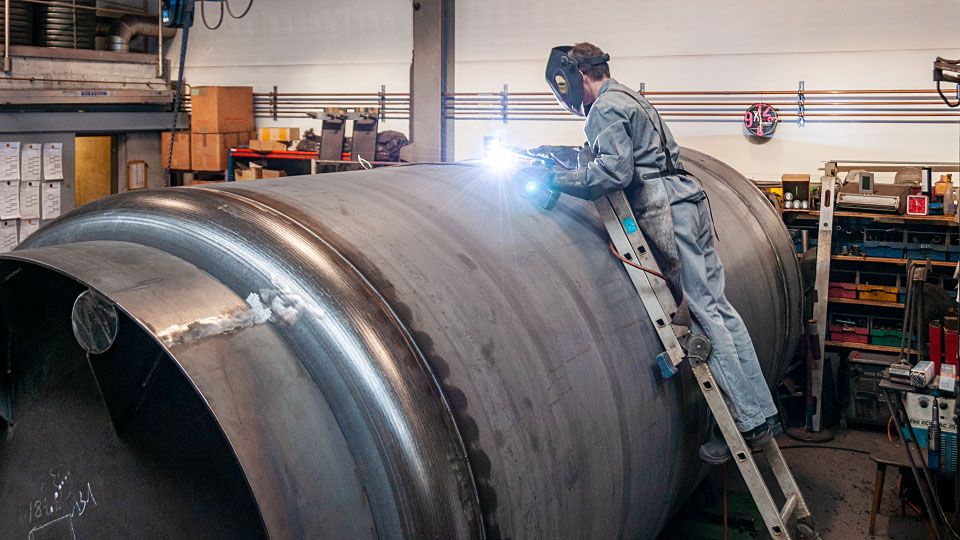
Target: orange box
[181,150]
[221,109]
[209,151]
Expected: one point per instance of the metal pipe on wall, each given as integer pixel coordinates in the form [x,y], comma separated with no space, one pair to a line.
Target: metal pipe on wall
[7,65]
[407,352]
[127,27]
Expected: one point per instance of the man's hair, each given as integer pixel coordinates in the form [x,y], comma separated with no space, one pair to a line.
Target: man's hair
[581,51]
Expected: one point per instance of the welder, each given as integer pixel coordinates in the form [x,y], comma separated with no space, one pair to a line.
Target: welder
[630,148]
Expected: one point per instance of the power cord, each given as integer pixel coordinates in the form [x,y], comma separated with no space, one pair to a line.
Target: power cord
[203,15]
[945,98]
[624,260]
[242,15]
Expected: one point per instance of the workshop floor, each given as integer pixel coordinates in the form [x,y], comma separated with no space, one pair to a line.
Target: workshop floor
[837,484]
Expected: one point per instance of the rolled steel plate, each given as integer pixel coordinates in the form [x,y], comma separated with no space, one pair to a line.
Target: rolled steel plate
[444,360]
[21,23]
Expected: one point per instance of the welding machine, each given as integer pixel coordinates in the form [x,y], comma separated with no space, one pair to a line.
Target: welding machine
[920,408]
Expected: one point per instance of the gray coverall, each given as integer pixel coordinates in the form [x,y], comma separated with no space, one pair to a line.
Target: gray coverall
[627,145]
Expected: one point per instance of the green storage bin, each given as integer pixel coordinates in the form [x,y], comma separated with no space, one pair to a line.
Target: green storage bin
[886,341]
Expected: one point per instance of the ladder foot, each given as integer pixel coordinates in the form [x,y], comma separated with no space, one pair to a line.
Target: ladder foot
[667,369]
[805,529]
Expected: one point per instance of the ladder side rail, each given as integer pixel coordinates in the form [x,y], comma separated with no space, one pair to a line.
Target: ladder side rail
[742,455]
[788,483]
[621,207]
[641,282]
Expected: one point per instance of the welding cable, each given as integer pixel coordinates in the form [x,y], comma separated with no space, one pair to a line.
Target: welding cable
[635,265]
[819,447]
[924,519]
[203,16]
[946,99]
[242,15]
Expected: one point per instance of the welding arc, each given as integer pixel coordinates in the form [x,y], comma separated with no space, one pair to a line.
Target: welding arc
[635,265]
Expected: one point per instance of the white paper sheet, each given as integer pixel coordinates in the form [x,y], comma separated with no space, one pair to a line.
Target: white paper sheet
[137,175]
[9,199]
[28,227]
[30,162]
[8,235]
[50,200]
[29,199]
[53,161]
[9,161]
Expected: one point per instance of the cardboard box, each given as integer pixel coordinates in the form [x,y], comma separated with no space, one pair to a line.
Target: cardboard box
[279,134]
[221,109]
[181,150]
[255,172]
[267,173]
[267,146]
[209,151]
[246,174]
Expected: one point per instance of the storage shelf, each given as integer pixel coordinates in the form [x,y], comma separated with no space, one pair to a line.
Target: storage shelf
[865,346]
[877,303]
[873,215]
[889,261]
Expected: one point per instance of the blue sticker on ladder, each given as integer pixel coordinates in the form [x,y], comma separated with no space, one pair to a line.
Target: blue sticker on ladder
[630,225]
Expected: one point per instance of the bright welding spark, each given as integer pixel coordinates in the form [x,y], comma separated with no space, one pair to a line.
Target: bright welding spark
[531,187]
[499,158]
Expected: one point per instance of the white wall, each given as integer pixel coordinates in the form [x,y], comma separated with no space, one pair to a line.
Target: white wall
[334,46]
[304,46]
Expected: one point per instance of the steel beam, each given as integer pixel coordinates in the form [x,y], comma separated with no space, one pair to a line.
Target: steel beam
[432,76]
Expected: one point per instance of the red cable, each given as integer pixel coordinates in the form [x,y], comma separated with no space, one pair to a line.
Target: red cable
[635,265]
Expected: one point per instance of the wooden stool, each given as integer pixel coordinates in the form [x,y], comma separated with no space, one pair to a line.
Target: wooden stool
[888,454]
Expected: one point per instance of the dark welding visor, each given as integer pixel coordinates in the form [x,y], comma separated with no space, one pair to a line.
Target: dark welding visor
[565,79]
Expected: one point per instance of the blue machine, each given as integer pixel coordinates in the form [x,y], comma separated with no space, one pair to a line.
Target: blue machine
[177,13]
[920,408]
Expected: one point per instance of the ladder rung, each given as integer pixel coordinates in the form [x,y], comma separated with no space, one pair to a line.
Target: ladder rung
[788,508]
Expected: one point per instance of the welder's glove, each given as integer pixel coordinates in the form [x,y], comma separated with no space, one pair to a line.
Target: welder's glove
[585,156]
[574,183]
[566,156]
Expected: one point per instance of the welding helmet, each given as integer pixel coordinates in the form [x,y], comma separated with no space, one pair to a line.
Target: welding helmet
[565,79]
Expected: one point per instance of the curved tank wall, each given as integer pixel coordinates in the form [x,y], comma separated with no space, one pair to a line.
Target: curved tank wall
[412,352]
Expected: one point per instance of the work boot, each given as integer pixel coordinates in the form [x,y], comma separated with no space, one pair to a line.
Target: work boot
[776,428]
[716,452]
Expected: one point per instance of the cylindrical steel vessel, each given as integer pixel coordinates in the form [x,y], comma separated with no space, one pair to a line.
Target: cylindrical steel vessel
[408,352]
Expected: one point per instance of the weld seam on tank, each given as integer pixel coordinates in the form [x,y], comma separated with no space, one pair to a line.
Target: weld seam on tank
[445,402]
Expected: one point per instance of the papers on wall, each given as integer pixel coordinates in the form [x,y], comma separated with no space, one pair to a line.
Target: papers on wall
[53,161]
[30,162]
[9,161]
[28,227]
[8,235]
[50,200]
[9,199]
[30,199]
[136,175]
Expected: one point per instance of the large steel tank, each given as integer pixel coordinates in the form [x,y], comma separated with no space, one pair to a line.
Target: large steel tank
[409,352]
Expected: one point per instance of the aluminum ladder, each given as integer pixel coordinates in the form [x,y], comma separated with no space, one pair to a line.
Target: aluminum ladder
[679,343]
